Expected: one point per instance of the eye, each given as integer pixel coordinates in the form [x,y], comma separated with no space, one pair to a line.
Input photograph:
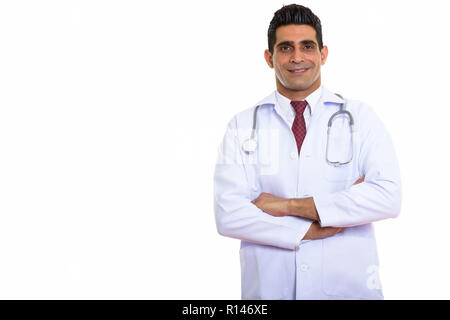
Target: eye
[285,48]
[309,47]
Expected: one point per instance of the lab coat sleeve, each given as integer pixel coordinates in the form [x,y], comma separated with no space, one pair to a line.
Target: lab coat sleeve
[235,215]
[379,196]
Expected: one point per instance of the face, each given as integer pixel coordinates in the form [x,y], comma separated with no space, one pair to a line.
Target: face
[296,59]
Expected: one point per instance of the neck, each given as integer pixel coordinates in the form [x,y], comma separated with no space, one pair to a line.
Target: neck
[297,95]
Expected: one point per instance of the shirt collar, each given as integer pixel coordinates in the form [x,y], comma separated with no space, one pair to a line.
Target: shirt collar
[285,104]
[322,94]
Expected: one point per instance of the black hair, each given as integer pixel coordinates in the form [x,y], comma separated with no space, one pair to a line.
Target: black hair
[294,14]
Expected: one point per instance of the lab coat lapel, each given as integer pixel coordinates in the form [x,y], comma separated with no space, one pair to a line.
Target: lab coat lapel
[327,98]
[272,100]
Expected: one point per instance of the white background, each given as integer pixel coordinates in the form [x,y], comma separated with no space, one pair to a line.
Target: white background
[111,113]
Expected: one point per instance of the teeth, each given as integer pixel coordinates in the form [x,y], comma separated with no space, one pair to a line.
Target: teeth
[298,70]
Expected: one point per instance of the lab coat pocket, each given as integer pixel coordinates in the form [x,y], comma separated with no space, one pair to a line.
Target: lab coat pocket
[343,173]
[266,272]
[350,268]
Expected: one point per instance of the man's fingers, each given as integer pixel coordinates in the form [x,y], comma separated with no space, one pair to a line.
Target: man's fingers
[360,180]
[330,231]
[318,232]
[333,230]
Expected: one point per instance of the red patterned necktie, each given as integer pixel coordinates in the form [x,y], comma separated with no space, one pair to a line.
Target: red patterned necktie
[299,127]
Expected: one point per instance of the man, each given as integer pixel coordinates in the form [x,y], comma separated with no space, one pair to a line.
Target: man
[303,202]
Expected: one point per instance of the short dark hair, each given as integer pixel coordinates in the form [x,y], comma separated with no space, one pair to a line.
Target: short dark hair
[294,14]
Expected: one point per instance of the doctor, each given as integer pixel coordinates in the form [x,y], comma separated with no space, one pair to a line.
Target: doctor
[305,222]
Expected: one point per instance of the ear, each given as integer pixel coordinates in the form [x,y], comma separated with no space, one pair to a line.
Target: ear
[324,54]
[268,57]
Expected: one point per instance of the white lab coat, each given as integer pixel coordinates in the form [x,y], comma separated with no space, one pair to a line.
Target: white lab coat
[275,262]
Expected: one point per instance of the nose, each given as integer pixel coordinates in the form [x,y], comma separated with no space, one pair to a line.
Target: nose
[297,56]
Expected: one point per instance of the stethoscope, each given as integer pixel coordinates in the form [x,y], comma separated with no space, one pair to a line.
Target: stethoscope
[250,145]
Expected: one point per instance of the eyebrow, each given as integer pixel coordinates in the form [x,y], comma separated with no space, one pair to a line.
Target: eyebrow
[291,43]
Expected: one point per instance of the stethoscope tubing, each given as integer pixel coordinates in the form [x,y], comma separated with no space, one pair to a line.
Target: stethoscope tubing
[341,111]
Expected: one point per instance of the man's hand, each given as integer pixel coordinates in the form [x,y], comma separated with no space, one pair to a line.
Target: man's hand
[273,205]
[318,232]
[359,180]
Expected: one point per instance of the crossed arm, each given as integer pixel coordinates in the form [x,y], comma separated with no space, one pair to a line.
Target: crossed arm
[284,225]
[279,207]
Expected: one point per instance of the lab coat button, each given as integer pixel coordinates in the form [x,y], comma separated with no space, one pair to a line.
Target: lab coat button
[304,267]
[294,155]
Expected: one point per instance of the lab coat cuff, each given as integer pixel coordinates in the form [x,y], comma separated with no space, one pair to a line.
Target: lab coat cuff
[304,229]
[326,209]
[300,227]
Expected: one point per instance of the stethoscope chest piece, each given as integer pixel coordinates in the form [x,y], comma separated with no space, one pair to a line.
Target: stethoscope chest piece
[250,145]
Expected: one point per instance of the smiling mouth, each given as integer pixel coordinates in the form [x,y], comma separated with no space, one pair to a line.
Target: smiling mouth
[298,70]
